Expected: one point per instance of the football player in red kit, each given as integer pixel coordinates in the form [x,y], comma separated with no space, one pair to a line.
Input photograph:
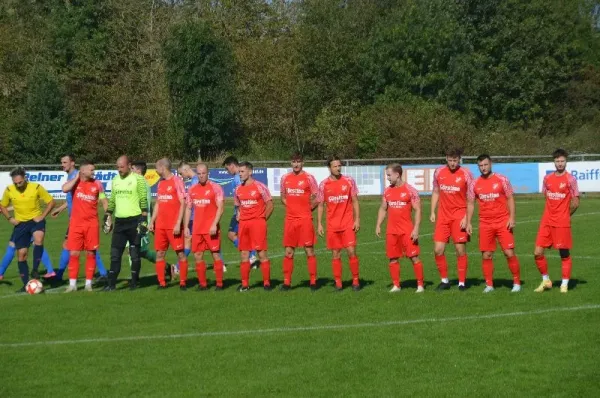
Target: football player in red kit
[167,222]
[206,200]
[299,191]
[339,194]
[255,207]
[450,190]
[494,194]
[399,201]
[562,200]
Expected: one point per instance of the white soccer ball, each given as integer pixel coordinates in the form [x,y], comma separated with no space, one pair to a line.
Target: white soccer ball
[34,286]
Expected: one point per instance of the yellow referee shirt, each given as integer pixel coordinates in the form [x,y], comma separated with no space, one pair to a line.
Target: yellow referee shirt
[26,204]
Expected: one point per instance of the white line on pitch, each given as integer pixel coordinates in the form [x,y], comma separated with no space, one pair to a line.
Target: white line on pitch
[300,329]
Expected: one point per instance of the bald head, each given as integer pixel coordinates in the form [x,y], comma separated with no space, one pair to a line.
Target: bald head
[123,164]
[202,171]
[164,162]
[163,167]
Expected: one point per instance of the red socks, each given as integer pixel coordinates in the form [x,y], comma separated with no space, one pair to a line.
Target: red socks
[418,267]
[442,266]
[312,269]
[336,266]
[515,269]
[354,270]
[462,264]
[161,265]
[245,272]
[201,272]
[265,267]
[395,273]
[487,266]
[567,264]
[183,272]
[288,269]
[73,267]
[90,266]
[218,268]
[542,265]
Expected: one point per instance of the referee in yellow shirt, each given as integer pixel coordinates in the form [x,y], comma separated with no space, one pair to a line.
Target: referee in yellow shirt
[29,220]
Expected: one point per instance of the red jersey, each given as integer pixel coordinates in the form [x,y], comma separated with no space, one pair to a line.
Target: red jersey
[337,196]
[559,190]
[492,194]
[400,201]
[453,189]
[251,200]
[168,196]
[203,200]
[297,190]
[85,202]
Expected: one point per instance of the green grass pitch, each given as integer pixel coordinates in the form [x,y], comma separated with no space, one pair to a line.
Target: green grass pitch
[298,343]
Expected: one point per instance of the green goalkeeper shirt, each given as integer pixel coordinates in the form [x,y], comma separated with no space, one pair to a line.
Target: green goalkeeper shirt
[128,196]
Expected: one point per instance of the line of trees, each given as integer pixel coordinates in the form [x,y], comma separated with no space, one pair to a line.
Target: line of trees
[260,78]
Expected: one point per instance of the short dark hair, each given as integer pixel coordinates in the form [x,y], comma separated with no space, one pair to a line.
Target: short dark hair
[395,167]
[231,160]
[332,159]
[483,157]
[183,163]
[297,156]
[247,165]
[19,171]
[69,155]
[140,164]
[86,162]
[559,153]
[454,152]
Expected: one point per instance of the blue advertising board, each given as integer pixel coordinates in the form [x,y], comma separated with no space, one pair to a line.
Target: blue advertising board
[225,180]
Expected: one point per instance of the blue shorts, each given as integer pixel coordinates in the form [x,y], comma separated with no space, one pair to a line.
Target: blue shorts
[23,232]
[191,225]
[233,224]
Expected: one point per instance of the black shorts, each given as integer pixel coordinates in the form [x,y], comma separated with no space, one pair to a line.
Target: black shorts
[23,232]
[125,231]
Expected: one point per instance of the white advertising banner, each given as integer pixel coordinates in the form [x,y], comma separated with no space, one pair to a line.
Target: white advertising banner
[54,180]
[368,178]
[586,173]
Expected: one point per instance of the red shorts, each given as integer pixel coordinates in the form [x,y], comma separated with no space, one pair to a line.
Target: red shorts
[555,237]
[252,235]
[299,233]
[83,237]
[341,239]
[397,246]
[446,229]
[206,242]
[163,238]
[489,233]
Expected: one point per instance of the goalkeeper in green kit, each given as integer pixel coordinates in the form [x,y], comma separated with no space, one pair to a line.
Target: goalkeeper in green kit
[127,218]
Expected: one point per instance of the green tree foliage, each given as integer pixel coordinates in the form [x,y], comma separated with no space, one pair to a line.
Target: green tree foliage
[363,78]
[199,72]
[45,131]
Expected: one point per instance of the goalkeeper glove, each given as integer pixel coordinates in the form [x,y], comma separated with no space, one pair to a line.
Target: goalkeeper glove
[142,228]
[108,224]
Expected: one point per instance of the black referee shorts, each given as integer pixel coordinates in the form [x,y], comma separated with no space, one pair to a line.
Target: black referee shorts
[125,231]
